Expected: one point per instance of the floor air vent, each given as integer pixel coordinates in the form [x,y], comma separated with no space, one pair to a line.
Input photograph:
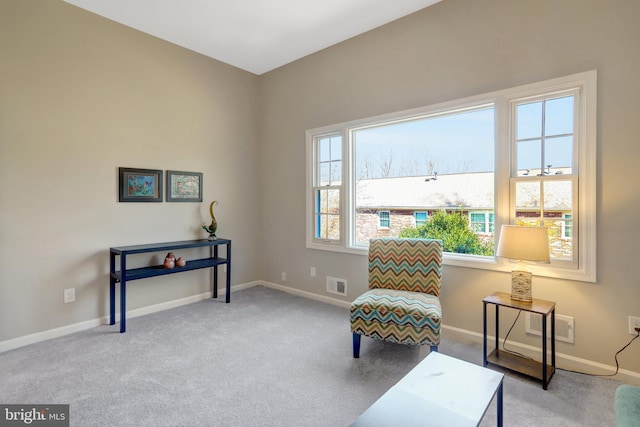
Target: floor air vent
[564,326]
[336,285]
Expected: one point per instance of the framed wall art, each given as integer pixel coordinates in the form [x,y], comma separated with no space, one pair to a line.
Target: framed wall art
[184,186]
[140,185]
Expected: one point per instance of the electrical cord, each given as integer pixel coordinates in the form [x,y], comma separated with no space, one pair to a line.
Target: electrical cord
[615,357]
[506,337]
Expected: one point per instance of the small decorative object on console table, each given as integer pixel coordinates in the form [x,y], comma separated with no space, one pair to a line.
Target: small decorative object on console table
[211,229]
[523,243]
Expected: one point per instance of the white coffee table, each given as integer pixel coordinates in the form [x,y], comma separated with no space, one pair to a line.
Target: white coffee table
[439,391]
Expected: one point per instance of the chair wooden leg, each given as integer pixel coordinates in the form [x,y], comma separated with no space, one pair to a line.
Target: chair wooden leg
[356,345]
[434,348]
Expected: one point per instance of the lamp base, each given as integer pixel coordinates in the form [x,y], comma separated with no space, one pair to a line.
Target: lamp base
[521,285]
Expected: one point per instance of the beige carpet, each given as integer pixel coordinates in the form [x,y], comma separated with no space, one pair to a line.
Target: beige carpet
[266,359]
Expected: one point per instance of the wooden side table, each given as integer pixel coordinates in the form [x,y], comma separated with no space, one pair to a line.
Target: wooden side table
[541,371]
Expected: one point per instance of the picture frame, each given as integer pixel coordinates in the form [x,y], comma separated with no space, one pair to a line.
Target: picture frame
[139,185]
[184,186]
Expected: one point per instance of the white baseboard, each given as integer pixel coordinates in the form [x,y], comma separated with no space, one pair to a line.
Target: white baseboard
[563,361]
[88,324]
[305,294]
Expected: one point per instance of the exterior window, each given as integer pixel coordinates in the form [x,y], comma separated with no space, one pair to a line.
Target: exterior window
[327,187]
[567,229]
[384,219]
[523,155]
[482,222]
[420,218]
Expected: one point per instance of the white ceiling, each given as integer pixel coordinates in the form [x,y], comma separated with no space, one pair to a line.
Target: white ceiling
[254,35]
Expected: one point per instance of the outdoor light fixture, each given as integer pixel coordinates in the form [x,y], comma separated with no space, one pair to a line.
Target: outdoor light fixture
[523,244]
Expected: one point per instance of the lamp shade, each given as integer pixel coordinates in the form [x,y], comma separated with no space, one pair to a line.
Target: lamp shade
[523,243]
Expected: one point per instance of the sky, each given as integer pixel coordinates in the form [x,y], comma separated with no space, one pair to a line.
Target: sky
[464,142]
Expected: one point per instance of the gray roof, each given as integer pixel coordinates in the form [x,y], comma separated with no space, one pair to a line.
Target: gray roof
[465,190]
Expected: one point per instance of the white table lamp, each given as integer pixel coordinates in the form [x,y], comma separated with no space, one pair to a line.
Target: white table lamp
[523,243]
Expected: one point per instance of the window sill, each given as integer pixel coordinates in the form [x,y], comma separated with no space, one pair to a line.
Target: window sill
[477,262]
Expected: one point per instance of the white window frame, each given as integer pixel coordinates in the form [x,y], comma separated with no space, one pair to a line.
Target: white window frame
[584,220]
[312,179]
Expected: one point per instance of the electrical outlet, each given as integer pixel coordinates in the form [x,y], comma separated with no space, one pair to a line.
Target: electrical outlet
[634,323]
[69,295]
[312,272]
[283,276]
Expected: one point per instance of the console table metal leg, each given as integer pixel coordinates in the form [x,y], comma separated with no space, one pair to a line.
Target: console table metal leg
[123,292]
[484,334]
[553,339]
[545,380]
[112,302]
[228,296]
[112,289]
[215,274]
[499,402]
[497,327]
[123,306]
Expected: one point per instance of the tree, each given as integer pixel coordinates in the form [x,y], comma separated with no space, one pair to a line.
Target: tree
[453,229]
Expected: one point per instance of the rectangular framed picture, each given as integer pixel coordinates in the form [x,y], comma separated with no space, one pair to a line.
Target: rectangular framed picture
[184,186]
[140,185]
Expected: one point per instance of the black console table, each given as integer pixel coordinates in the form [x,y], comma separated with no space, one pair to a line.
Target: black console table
[124,275]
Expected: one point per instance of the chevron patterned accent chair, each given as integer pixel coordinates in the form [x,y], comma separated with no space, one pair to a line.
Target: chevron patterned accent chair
[402,304]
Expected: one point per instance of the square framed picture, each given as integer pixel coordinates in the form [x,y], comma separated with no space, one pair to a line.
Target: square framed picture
[184,186]
[140,185]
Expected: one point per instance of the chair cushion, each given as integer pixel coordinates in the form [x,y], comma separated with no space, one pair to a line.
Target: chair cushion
[397,316]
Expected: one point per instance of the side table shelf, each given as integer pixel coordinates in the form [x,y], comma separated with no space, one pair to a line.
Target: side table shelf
[542,371]
[123,275]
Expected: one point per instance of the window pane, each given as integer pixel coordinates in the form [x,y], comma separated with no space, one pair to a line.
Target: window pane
[528,196]
[333,227]
[328,201]
[327,217]
[328,227]
[557,196]
[560,247]
[333,201]
[336,148]
[325,149]
[558,153]
[559,116]
[557,208]
[433,163]
[529,157]
[529,123]
[336,172]
[325,174]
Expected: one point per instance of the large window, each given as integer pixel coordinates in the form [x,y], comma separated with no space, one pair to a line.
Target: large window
[524,156]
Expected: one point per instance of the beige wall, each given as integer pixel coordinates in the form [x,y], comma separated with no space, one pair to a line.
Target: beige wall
[454,49]
[80,96]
